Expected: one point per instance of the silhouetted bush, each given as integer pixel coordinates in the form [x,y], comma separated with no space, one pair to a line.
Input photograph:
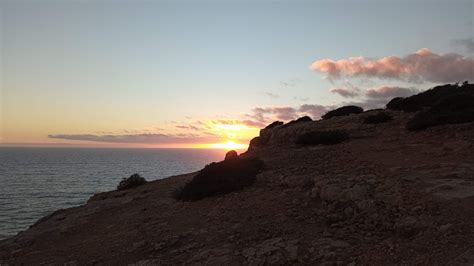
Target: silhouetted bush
[430,97]
[299,120]
[274,124]
[379,118]
[134,180]
[342,111]
[323,137]
[220,178]
[450,110]
[395,103]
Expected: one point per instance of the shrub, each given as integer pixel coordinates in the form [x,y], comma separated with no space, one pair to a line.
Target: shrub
[343,111]
[430,97]
[378,118]
[134,180]
[451,110]
[299,120]
[304,119]
[274,124]
[323,137]
[220,178]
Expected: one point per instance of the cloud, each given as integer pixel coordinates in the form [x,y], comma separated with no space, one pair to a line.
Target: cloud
[314,110]
[467,44]
[263,115]
[137,138]
[303,99]
[272,95]
[290,83]
[252,123]
[421,66]
[345,92]
[187,127]
[388,92]
[368,103]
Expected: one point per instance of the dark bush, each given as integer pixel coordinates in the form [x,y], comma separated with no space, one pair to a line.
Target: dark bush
[274,124]
[342,111]
[430,97]
[395,103]
[134,180]
[220,178]
[450,110]
[379,118]
[323,137]
[299,120]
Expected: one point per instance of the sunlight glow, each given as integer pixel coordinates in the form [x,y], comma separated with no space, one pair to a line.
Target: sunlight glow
[229,145]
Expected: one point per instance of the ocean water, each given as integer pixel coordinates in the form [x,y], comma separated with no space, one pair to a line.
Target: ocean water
[37,181]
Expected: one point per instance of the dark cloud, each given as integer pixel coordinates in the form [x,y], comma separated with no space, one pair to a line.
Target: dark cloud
[345,92]
[421,66]
[388,92]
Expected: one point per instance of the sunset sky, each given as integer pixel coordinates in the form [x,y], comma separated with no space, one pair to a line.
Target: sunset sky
[204,73]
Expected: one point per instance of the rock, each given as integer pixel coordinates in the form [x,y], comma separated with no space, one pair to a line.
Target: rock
[444,228]
[231,155]
[339,244]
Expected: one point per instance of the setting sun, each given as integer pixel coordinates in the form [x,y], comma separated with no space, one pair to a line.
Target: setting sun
[229,145]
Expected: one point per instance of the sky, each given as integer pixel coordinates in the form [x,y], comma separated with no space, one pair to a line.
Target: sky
[212,73]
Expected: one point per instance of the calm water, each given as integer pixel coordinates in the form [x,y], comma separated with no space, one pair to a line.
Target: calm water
[37,181]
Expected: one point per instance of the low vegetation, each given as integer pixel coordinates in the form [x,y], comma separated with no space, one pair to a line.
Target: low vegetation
[220,178]
[299,120]
[329,137]
[274,124]
[378,118]
[430,97]
[343,111]
[134,180]
[451,110]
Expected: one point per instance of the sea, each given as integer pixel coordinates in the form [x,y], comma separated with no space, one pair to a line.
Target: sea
[34,182]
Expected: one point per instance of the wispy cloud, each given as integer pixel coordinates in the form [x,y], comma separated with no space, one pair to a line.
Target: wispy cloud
[137,138]
[272,95]
[421,66]
[345,92]
[303,99]
[467,44]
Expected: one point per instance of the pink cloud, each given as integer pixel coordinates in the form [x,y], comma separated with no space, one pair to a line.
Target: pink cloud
[423,65]
[314,110]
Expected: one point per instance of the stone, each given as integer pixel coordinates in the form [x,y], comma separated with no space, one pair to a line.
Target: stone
[231,155]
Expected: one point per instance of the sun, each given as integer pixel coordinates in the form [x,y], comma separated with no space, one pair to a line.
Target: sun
[229,145]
